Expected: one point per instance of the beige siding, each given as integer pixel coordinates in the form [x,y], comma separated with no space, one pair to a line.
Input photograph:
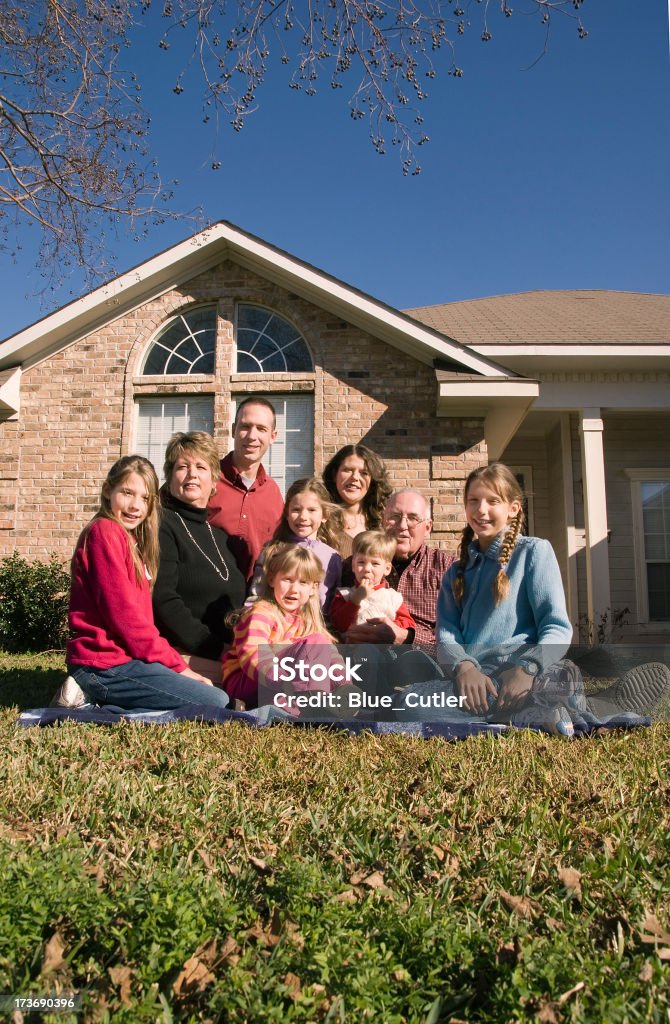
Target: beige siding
[631,441]
[543,455]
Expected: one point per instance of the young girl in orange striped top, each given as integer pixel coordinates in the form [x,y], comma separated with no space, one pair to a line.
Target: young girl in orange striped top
[287,612]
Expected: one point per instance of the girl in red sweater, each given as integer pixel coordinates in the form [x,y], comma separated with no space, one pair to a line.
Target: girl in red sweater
[116,654]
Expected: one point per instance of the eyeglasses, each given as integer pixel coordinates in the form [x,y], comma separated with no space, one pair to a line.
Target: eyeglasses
[396,518]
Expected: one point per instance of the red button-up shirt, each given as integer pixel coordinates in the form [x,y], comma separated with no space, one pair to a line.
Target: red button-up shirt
[248,515]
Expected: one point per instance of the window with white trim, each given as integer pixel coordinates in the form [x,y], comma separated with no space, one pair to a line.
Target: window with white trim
[650,493]
[157,419]
[185,344]
[291,456]
[268,343]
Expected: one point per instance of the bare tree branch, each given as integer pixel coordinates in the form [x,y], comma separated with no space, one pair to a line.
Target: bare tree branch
[74,153]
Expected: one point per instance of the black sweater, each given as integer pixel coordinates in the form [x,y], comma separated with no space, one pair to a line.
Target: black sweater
[190,598]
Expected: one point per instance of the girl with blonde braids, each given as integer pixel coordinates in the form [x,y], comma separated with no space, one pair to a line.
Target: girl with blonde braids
[501,615]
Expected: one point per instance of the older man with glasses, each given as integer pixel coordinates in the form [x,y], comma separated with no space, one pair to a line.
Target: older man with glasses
[417,573]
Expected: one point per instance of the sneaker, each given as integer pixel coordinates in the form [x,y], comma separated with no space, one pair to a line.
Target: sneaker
[640,690]
[553,718]
[69,695]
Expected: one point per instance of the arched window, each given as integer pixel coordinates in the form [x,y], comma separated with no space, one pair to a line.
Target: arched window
[269,343]
[184,345]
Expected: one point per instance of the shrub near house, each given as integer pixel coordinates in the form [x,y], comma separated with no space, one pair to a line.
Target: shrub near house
[33,603]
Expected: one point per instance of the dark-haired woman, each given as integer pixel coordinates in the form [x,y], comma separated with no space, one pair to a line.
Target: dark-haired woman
[357,481]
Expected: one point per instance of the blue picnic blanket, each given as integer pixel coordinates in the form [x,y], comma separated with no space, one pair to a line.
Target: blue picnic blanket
[456,725]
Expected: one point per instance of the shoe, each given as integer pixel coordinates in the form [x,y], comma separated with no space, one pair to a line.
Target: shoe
[69,695]
[640,690]
[553,718]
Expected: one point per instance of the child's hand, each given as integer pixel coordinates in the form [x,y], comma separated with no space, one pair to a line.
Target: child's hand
[475,687]
[363,590]
[514,688]
[196,675]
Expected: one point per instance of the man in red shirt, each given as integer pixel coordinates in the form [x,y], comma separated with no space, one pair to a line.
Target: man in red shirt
[247,503]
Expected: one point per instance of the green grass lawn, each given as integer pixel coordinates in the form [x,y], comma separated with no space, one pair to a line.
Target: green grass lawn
[197,873]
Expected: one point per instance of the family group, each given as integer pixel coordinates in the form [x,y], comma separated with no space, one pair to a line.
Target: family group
[182,595]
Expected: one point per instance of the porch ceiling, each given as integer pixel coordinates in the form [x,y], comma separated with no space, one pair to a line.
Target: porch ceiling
[502,402]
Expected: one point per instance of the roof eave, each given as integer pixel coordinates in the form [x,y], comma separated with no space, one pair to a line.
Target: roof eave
[503,404]
[174,266]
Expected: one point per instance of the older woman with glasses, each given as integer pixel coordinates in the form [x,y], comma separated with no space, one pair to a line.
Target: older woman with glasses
[198,581]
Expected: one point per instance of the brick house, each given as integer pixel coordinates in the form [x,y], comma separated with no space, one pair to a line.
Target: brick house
[569,388]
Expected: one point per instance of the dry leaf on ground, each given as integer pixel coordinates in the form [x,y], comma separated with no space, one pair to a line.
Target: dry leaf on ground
[521,905]
[653,931]
[348,896]
[293,984]
[96,871]
[260,865]
[548,1013]
[120,977]
[206,859]
[193,978]
[207,952]
[229,950]
[262,936]
[374,881]
[647,972]
[294,935]
[571,879]
[53,954]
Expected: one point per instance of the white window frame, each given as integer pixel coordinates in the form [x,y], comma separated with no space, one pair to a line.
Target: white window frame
[281,349]
[275,398]
[164,327]
[178,397]
[638,477]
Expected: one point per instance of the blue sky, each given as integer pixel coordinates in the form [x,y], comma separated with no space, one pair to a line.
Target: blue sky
[554,177]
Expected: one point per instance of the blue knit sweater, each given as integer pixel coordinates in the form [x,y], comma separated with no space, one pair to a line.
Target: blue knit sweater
[531,623]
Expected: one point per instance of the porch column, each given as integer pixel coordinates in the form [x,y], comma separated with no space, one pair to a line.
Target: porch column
[595,516]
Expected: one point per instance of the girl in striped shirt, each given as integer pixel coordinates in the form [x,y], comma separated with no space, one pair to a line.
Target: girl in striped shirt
[287,612]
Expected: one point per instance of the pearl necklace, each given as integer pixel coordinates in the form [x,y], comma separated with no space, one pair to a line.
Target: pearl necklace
[204,553]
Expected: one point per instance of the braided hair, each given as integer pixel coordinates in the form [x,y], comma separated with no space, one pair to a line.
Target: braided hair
[501,479]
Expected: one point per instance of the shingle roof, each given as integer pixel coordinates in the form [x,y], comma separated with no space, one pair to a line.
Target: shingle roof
[553,317]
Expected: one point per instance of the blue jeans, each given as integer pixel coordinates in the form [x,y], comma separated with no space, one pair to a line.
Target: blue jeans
[144,686]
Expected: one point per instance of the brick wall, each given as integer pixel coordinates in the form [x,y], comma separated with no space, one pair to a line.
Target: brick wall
[77,408]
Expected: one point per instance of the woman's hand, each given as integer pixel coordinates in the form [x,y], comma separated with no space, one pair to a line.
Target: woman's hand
[514,688]
[196,675]
[474,686]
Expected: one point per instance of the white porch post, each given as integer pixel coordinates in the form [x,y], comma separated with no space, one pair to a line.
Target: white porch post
[571,589]
[595,515]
